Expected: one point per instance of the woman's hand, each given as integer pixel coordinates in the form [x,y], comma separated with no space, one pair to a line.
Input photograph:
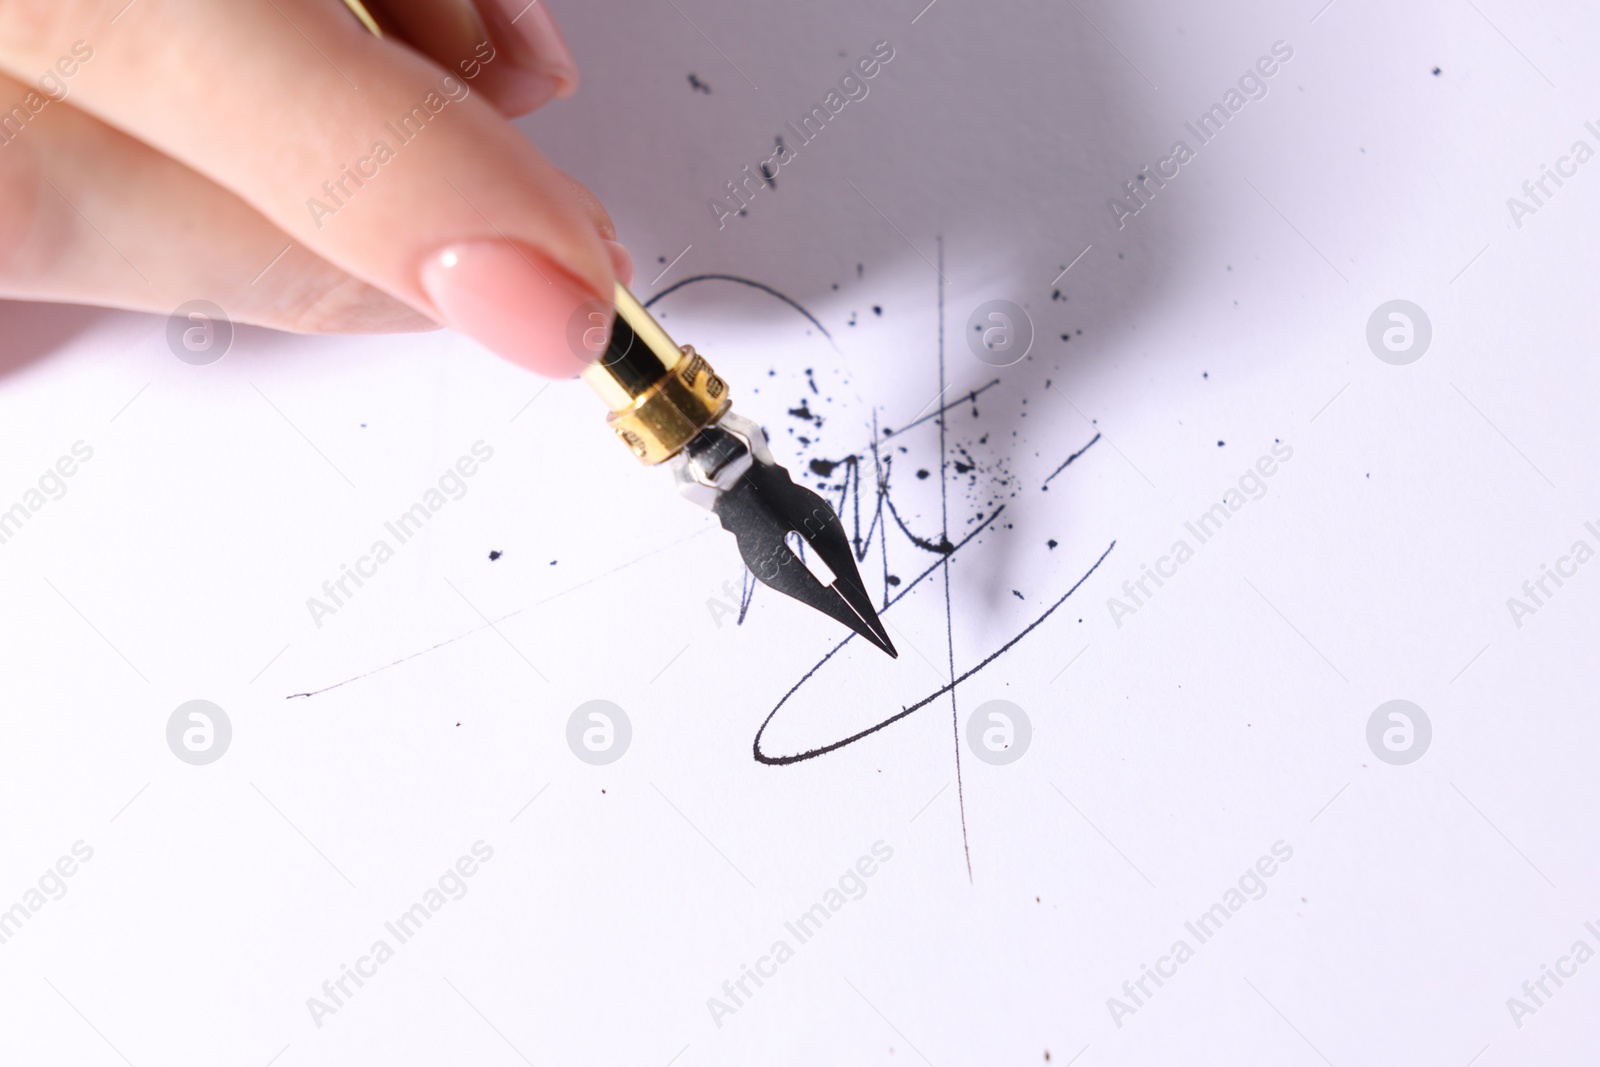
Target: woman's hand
[278,159]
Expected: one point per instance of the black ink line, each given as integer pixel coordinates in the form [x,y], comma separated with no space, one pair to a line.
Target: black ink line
[920,542]
[944,539]
[965,398]
[493,623]
[762,757]
[880,475]
[675,286]
[1068,462]
[778,761]
[747,591]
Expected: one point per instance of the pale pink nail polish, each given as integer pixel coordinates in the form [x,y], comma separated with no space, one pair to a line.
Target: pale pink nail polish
[543,47]
[519,305]
[621,261]
[520,91]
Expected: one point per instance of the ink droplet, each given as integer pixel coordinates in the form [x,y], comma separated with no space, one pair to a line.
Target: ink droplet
[494,554]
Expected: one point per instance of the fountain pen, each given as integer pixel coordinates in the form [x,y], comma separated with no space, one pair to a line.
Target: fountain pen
[670,408]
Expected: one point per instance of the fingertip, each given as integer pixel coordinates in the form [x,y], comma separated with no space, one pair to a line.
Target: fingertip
[519,304]
[530,32]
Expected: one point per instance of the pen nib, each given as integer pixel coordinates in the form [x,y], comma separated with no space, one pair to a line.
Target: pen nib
[793,542]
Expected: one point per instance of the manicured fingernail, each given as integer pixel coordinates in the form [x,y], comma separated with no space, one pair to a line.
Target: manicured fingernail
[519,305]
[545,50]
[521,91]
[621,261]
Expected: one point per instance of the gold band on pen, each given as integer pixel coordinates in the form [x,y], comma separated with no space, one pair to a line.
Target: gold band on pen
[660,394]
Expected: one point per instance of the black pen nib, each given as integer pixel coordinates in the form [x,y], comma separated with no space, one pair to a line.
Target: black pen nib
[772,517]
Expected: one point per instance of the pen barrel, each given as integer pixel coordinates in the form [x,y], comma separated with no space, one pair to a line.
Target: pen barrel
[660,394]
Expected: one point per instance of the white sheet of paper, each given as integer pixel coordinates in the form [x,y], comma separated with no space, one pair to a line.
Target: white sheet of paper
[1188,734]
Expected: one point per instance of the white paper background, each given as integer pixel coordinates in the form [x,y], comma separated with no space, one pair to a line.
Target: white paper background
[1228,714]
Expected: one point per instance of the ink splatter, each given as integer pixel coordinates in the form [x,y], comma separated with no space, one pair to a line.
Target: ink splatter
[494,554]
[699,86]
[964,451]
[860,486]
